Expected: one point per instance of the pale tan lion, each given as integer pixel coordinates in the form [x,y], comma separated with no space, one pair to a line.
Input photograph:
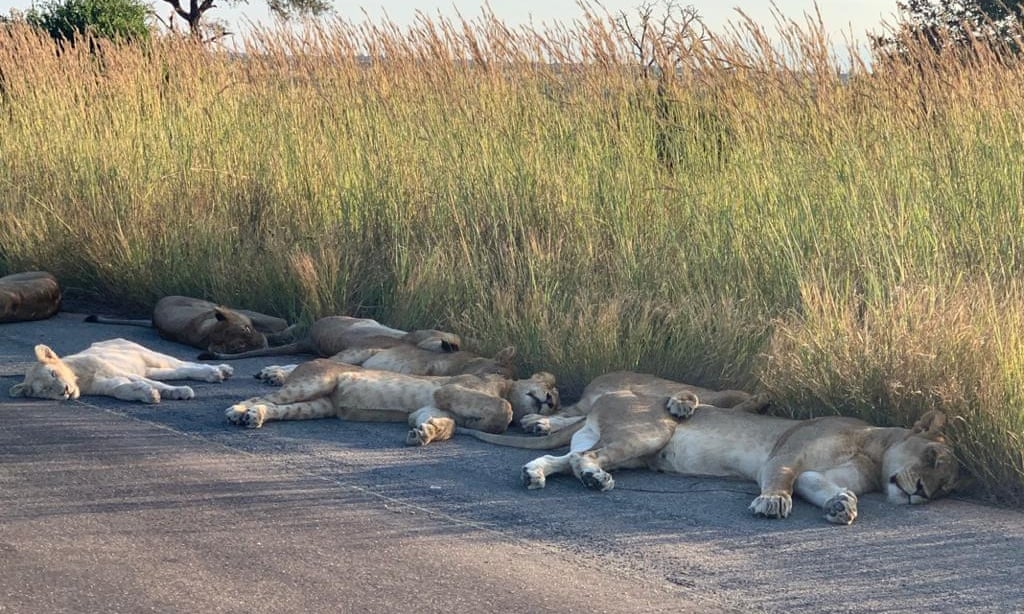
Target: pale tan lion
[34,295]
[116,368]
[433,405]
[827,461]
[209,326]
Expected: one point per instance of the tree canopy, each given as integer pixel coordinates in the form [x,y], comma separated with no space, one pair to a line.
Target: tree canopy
[113,19]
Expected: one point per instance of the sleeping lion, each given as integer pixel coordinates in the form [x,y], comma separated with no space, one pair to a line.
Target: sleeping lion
[432,405]
[826,461]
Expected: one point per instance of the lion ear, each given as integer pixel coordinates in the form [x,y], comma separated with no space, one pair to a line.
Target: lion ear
[17,390]
[544,377]
[449,346]
[219,314]
[505,355]
[938,455]
[930,424]
[45,355]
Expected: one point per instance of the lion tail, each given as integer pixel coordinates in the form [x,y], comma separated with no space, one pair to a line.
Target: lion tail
[298,347]
[104,320]
[551,441]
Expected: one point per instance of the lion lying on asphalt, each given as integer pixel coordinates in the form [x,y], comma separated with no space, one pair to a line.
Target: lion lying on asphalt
[116,368]
[28,296]
[827,461]
[209,326]
[433,406]
[367,343]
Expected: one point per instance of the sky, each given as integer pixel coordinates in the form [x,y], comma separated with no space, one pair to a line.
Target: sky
[840,16]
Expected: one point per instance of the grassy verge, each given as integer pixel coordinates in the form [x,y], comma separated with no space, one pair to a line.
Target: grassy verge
[852,247]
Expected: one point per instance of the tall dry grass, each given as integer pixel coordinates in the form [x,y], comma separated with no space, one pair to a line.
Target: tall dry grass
[749,218]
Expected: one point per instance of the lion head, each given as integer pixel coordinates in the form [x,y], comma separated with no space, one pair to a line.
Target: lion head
[921,467]
[49,378]
[233,332]
[536,395]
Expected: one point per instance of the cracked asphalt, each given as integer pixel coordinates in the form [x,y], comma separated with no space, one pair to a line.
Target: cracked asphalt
[108,506]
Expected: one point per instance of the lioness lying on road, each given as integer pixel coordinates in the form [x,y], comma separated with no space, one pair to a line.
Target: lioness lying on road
[117,368]
[28,296]
[367,343]
[209,326]
[433,406]
[827,461]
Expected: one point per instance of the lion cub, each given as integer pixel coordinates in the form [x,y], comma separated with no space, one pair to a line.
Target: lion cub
[117,368]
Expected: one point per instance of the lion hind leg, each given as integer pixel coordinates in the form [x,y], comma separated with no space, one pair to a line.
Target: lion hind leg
[474,409]
[429,424]
[587,467]
[127,389]
[191,370]
[535,472]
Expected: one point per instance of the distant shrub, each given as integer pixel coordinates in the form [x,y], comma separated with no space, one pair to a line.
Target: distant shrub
[114,19]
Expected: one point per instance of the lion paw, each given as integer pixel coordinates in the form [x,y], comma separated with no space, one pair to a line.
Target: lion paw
[533,478]
[842,508]
[597,479]
[775,505]
[218,373]
[181,393]
[273,375]
[244,415]
[682,406]
[535,424]
[419,436]
[150,395]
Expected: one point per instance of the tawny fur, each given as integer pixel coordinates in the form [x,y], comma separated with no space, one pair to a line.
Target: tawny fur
[34,295]
[433,405]
[827,461]
[210,327]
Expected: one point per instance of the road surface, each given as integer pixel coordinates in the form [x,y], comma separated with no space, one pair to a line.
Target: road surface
[108,506]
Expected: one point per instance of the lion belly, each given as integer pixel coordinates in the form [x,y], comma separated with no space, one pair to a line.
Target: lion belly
[117,356]
[721,442]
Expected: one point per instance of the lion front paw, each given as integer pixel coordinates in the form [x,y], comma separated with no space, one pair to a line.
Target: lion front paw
[218,373]
[597,479]
[535,424]
[842,508]
[181,393]
[533,477]
[773,505]
[682,406]
[273,375]
[248,416]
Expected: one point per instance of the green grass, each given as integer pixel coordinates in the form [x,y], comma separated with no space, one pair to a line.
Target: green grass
[851,249]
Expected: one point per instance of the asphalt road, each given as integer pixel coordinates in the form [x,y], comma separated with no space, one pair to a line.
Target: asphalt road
[107,506]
